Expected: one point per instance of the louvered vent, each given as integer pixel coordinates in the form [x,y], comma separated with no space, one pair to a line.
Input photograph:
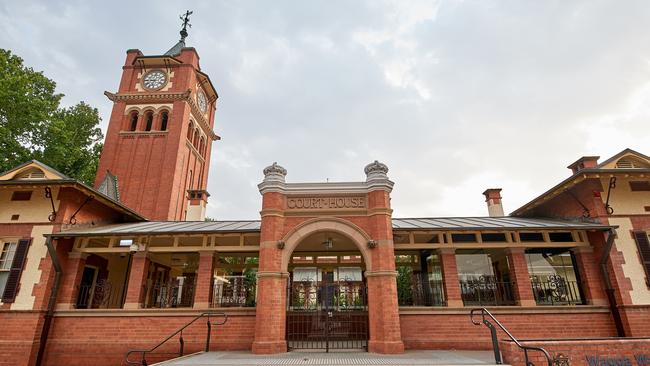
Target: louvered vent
[631,163]
[33,173]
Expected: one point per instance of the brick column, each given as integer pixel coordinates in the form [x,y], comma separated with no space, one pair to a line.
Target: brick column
[203,286]
[522,287]
[383,309]
[450,280]
[137,280]
[73,269]
[589,274]
[271,306]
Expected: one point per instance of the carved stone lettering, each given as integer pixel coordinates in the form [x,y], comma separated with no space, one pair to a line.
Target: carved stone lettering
[326,203]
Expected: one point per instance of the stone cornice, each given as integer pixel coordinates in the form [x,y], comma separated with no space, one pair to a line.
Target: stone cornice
[185,96]
[325,188]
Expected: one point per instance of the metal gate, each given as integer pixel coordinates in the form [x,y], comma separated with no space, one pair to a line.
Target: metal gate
[327,315]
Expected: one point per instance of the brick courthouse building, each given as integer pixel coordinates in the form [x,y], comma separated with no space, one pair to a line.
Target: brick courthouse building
[325,267]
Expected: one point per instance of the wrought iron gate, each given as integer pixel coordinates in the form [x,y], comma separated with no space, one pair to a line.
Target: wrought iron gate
[327,315]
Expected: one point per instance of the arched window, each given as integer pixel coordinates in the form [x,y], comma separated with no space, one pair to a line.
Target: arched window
[196,138]
[148,121]
[164,117]
[201,146]
[134,121]
[190,131]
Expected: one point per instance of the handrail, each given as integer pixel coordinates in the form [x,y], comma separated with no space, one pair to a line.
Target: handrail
[495,341]
[144,352]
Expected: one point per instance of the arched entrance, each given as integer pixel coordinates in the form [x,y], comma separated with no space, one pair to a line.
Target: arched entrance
[297,218]
[327,298]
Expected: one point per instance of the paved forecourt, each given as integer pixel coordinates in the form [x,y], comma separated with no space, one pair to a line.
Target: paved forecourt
[437,358]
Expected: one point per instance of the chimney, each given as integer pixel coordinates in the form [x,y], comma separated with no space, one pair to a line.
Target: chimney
[493,199]
[584,162]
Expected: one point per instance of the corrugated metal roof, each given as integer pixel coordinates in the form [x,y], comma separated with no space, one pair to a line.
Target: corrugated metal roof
[424,223]
[490,223]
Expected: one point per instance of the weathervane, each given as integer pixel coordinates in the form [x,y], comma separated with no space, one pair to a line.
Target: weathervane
[186,22]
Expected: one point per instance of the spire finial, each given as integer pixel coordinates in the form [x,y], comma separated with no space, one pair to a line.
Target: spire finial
[186,22]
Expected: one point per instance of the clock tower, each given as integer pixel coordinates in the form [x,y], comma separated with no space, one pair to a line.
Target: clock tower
[160,134]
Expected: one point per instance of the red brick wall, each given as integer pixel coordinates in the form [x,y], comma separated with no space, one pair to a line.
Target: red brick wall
[615,351]
[446,330]
[20,337]
[104,340]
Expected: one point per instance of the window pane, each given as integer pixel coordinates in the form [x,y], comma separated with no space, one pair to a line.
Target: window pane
[3,281]
[553,277]
[7,256]
[419,278]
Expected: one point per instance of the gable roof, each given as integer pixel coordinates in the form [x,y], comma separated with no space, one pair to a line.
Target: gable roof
[54,177]
[623,153]
[600,168]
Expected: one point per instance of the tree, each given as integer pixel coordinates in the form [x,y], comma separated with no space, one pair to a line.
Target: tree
[34,126]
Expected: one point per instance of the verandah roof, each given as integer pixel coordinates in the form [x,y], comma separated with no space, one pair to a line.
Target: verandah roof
[242,226]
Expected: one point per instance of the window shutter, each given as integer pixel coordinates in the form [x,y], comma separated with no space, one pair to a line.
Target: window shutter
[11,288]
[643,245]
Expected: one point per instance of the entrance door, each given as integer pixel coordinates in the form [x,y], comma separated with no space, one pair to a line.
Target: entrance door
[327,314]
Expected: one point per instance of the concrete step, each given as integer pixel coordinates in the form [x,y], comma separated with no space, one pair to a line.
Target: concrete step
[425,358]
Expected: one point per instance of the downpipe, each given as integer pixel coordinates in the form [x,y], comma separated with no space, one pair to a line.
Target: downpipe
[49,315]
[609,289]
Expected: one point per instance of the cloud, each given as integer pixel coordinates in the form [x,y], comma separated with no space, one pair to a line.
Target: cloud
[454,96]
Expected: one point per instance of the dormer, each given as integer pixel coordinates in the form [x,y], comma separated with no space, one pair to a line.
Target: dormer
[32,170]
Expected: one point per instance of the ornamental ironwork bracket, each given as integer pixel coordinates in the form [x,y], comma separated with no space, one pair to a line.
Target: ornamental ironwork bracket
[48,194]
[73,220]
[612,184]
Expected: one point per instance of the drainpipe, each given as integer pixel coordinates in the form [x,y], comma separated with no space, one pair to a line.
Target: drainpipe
[50,306]
[620,330]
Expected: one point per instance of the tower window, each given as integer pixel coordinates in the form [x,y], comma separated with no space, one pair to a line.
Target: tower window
[163,120]
[196,138]
[149,121]
[190,130]
[202,146]
[134,121]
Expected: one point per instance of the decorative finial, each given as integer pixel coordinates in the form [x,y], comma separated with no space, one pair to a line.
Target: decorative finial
[274,172]
[186,22]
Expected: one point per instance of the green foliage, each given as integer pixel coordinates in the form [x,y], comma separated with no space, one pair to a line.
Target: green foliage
[34,126]
[404,291]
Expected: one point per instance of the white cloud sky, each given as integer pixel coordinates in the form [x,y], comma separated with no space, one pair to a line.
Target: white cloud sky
[454,96]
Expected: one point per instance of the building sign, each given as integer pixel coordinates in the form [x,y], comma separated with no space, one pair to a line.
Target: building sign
[326,203]
[641,360]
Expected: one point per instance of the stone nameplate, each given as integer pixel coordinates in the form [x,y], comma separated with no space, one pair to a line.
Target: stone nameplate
[326,203]
[641,360]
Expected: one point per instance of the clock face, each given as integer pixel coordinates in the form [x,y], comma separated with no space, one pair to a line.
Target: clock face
[201,101]
[155,79]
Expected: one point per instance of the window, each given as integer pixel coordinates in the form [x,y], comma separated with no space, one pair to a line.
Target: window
[6,259]
[196,138]
[554,277]
[642,185]
[164,117]
[190,131]
[21,196]
[235,280]
[643,245]
[149,121]
[419,278]
[134,121]
[484,276]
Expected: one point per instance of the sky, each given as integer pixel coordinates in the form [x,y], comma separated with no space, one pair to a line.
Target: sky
[454,96]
